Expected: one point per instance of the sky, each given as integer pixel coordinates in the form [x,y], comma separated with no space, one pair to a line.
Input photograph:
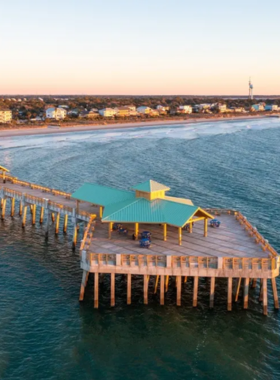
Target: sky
[155,47]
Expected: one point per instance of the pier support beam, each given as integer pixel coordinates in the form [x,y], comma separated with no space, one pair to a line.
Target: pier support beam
[195,290]
[146,278]
[65,223]
[275,294]
[156,284]
[42,215]
[20,208]
[53,217]
[264,291]
[164,232]
[34,214]
[162,289]
[136,231]
[83,285]
[229,294]
[112,289]
[261,290]
[47,224]
[205,227]
[246,293]
[57,223]
[254,283]
[24,216]
[166,283]
[129,289]
[180,236]
[179,288]
[212,292]
[110,227]
[100,212]
[237,289]
[3,209]
[12,207]
[96,290]
[75,234]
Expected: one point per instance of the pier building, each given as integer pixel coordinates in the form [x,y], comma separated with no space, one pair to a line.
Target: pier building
[144,232]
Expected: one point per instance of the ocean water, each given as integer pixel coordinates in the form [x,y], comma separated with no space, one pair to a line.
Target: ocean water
[45,333]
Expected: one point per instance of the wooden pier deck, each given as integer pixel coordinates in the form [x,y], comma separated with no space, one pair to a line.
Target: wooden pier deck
[235,250]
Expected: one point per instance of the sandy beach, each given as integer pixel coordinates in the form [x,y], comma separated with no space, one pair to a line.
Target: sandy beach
[38,130]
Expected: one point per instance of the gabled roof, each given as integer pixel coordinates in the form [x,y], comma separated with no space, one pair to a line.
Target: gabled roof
[159,211]
[150,186]
[101,195]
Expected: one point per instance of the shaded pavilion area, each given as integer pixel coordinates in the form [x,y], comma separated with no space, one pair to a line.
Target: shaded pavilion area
[146,205]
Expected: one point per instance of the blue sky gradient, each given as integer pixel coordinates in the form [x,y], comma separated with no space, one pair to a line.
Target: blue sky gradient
[133,47]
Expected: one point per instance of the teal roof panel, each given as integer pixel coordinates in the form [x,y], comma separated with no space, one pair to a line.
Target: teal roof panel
[150,186]
[101,195]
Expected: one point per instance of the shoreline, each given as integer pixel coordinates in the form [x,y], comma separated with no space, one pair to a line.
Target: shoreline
[46,130]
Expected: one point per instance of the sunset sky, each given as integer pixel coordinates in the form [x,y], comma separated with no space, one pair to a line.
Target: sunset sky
[132,47]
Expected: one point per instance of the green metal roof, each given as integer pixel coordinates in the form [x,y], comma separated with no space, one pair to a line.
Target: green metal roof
[150,186]
[141,210]
[101,195]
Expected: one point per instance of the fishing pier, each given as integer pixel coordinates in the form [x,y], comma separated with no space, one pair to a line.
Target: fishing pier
[144,232]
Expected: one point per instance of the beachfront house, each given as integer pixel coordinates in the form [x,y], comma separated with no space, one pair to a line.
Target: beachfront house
[144,110]
[162,109]
[220,107]
[5,116]
[271,107]
[258,107]
[184,109]
[123,111]
[56,113]
[107,112]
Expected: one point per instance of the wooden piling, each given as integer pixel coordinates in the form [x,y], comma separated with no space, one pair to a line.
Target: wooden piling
[47,226]
[13,207]
[212,292]
[145,289]
[42,215]
[65,223]
[166,283]
[34,214]
[96,290]
[3,208]
[254,283]
[237,289]
[229,294]
[275,294]
[83,285]
[57,223]
[20,208]
[24,216]
[156,284]
[75,234]
[129,289]
[261,291]
[195,290]
[264,291]
[179,288]
[112,289]
[162,289]
[246,293]
[53,217]
[185,279]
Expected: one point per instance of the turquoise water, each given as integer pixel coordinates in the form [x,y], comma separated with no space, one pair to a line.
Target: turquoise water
[46,334]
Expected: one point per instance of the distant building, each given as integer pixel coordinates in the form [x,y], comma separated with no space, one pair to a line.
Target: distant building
[238,109]
[221,108]
[162,109]
[5,116]
[107,112]
[56,113]
[258,107]
[184,109]
[271,107]
[123,111]
[144,110]
[89,114]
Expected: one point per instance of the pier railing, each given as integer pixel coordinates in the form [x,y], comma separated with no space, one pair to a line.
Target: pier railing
[181,262]
[88,234]
[30,185]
